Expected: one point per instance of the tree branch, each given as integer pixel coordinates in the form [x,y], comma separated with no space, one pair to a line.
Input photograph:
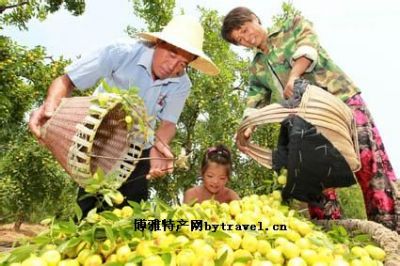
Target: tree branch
[3,8]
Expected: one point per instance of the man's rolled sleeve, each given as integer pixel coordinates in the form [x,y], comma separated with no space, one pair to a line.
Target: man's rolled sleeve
[174,103]
[306,42]
[89,69]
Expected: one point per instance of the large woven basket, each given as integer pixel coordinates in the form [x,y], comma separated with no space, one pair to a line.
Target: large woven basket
[384,237]
[84,136]
[332,118]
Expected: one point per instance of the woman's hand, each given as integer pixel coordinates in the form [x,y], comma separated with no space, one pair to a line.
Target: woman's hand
[288,91]
[299,67]
[247,134]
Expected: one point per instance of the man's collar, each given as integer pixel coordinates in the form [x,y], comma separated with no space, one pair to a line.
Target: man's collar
[146,59]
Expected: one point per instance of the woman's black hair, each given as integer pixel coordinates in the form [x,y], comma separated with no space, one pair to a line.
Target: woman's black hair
[234,20]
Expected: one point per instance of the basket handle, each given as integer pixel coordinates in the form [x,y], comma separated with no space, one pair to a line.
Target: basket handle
[273,113]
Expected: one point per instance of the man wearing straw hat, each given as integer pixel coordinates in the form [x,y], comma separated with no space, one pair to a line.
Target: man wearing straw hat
[157,66]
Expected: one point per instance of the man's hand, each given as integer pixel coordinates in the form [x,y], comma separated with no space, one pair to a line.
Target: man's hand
[247,134]
[59,88]
[165,133]
[160,167]
[40,116]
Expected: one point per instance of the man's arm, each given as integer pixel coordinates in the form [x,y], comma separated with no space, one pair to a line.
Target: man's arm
[174,103]
[163,136]
[60,87]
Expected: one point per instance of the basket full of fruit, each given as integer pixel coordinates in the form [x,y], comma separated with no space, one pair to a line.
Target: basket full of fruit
[106,132]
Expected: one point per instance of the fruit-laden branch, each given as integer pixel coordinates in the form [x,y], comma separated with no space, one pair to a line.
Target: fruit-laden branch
[4,8]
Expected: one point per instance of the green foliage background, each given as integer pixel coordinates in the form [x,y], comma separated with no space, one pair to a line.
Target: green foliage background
[33,186]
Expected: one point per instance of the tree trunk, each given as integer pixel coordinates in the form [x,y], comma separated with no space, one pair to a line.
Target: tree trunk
[19,221]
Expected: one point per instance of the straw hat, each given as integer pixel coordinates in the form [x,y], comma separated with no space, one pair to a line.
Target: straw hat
[186,33]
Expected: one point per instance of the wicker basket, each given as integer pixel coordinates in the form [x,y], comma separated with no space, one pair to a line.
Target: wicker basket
[83,136]
[332,118]
[384,237]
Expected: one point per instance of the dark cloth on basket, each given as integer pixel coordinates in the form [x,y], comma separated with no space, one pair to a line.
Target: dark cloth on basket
[313,163]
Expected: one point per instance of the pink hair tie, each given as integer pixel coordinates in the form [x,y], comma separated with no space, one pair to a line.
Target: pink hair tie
[220,152]
[212,149]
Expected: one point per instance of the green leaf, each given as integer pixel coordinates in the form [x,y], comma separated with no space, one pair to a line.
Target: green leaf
[202,214]
[242,260]
[73,242]
[99,233]
[362,238]
[317,241]
[219,235]
[114,264]
[67,227]
[42,240]
[171,214]
[135,206]
[106,87]
[108,200]
[137,259]
[92,212]
[166,257]
[77,211]
[109,216]
[5,258]
[21,253]
[220,261]
[109,233]
[162,205]
[342,231]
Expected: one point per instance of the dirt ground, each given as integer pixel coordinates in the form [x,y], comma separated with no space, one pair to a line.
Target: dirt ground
[8,236]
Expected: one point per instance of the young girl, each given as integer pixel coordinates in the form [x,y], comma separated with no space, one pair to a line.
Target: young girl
[216,169]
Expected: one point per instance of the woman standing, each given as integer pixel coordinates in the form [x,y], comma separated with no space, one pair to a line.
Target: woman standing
[290,50]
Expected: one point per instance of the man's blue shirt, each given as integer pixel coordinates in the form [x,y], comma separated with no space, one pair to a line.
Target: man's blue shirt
[127,64]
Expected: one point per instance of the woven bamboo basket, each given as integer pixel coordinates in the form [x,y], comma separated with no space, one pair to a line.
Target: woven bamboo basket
[334,120]
[84,136]
[388,240]
[328,114]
